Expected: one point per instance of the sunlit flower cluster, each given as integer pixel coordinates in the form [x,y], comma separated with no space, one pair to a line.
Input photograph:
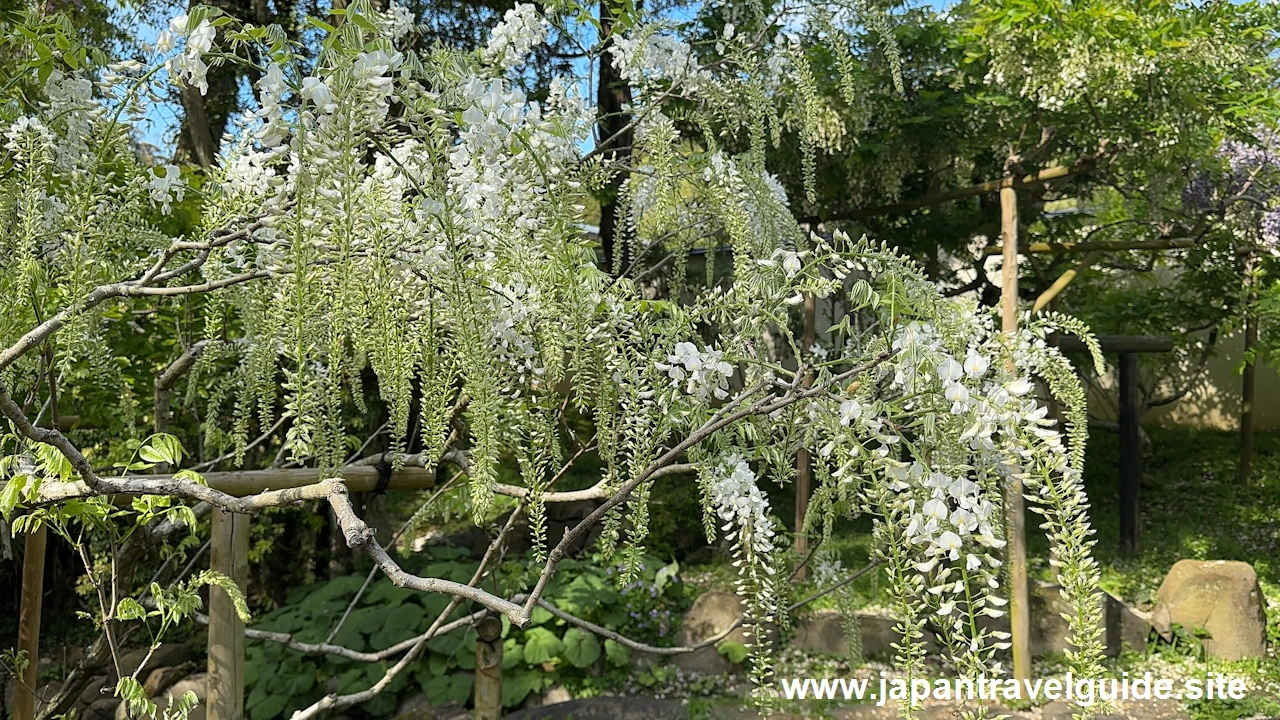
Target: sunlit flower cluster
[522,29]
[703,373]
[188,67]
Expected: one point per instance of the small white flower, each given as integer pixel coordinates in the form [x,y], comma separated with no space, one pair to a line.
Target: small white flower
[317,92]
[950,371]
[975,365]
[164,42]
[850,410]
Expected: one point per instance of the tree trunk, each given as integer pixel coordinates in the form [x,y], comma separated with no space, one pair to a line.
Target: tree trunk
[614,94]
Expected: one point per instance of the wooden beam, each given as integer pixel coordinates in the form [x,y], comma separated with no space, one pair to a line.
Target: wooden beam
[1130,454]
[1015,515]
[1119,343]
[1057,172]
[24,700]
[229,555]
[1073,247]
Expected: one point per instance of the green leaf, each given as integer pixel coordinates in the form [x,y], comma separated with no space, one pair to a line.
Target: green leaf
[736,652]
[317,22]
[11,494]
[540,645]
[581,647]
[666,574]
[617,654]
[443,689]
[512,654]
[539,616]
[517,685]
[130,609]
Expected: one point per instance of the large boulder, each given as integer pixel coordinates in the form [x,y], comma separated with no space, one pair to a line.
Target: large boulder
[711,614]
[606,708]
[1218,600]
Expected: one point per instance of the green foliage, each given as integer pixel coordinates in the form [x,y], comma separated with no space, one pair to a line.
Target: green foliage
[279,680]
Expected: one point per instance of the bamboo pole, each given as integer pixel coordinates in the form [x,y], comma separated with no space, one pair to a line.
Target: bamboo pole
[1015,519]
[229,555]
[1054,290]
[488,677]
[33,559]
[804,463]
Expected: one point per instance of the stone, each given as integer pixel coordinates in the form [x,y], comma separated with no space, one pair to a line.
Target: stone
[103,708]
[879,633]
[163,677]
[1122,626]
[1218,597]
[46,693]
[712,613]
[606,708]
[822,632]
[555,695]
[94,691]
[166,655]
[417,707]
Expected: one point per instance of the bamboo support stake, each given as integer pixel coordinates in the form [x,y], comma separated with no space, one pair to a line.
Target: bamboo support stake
[1015,519]
[24,700]
[1054,290]
[804,463]
[229,555]
[488,683]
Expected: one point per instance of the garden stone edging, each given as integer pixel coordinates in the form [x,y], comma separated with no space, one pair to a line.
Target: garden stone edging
[606,708]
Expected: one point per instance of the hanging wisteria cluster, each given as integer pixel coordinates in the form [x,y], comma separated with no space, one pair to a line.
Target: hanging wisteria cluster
[417,214]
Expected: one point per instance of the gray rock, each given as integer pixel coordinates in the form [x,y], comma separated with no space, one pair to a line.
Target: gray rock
[45,693]
[711,614]
[1219,597]
[167,655]
[95,691]
[418,708]
[606,708]
[879,633]
[163,677]
[822,632]
[1121,625]
[103,708]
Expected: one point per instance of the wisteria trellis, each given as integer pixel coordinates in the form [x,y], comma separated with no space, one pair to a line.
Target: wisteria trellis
[417,213]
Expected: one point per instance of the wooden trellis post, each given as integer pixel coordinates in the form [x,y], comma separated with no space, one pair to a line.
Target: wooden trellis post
[804,463]
[1015,517]
[488,677]
[33,558]
[229,555]
[1128,347]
